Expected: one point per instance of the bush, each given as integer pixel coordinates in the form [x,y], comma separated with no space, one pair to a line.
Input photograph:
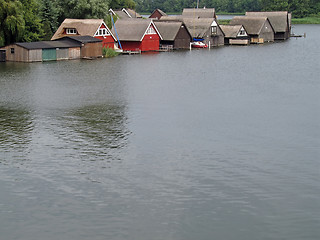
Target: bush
[109,52]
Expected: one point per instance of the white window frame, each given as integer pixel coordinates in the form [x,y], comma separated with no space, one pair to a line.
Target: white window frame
[151,31]
[102,32]
[71,31]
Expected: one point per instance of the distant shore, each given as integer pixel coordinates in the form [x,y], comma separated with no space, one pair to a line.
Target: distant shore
[306,20]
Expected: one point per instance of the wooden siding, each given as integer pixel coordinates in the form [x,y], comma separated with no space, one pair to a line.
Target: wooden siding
[156,14]
[183,39]
[238,41]
[214,40]
[131,45]
[267,32]
[107,41]
[62,54]
[91,50]
[74,53]
[35,55]
[150,43]
[20,54]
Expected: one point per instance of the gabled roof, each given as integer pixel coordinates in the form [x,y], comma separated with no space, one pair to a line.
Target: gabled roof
[231,31]
[199,12]
[125,13]
[133,29]
[279,20]
[121,14]
[169,30]
[132,13]
[198,27]
[84,27]
[162,13]
[253,25]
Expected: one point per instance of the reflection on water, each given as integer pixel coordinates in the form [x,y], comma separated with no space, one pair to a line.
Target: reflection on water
[213,144]
[16,128]
[96,130]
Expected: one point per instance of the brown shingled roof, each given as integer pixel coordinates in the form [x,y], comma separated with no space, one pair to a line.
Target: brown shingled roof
[198,27]
[133,29]
[230,31]
[279,20]
[168,30]
[253,25]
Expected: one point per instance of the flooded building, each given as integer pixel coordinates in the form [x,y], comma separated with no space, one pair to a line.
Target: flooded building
[137,35]
[175,35]
[235,35]
[259,29]
[280,21]
[62,49]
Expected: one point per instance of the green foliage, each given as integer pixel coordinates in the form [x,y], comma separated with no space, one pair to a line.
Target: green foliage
[109,52]
[82,9]
[49,17]
[313,19]
[12,24]
[118,4]
[33,25]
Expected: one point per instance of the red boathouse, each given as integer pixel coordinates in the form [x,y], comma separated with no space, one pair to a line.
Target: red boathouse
[137,34]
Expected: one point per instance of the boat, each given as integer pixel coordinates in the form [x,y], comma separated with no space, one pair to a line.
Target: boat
[198,45]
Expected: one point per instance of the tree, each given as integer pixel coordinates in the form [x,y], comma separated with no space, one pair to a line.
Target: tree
[118,4]
[12,24]
[33,25]
[49,17]
[82,9]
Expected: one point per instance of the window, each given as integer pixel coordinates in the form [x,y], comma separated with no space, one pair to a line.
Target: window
[242,32]
[12,50]
[151,31]
[102,32]
[71,31]
[213,30]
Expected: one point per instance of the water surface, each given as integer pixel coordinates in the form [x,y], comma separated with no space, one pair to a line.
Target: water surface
[204,144]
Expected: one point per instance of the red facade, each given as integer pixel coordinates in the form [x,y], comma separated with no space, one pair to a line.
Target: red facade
[107,41]
[105,36]
[150,42]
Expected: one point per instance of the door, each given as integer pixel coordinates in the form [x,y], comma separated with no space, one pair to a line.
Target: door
[2,55]
[49,54]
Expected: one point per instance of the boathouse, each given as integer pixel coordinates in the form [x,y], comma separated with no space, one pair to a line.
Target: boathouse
[60,49]
[86,27]
[138,35]
[175,35]
[157,14]
[235,35]
[90,47]
[207,29]
[259,29]
[280,21]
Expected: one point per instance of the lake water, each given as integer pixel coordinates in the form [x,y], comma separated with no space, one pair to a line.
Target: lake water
[191,145]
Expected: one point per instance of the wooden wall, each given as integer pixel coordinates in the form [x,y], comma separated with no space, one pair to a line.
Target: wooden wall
[91,50]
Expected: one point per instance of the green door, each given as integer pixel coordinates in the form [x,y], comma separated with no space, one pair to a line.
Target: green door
[49,54]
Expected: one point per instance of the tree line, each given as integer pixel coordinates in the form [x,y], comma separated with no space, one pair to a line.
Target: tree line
[298,8]
[34,20]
